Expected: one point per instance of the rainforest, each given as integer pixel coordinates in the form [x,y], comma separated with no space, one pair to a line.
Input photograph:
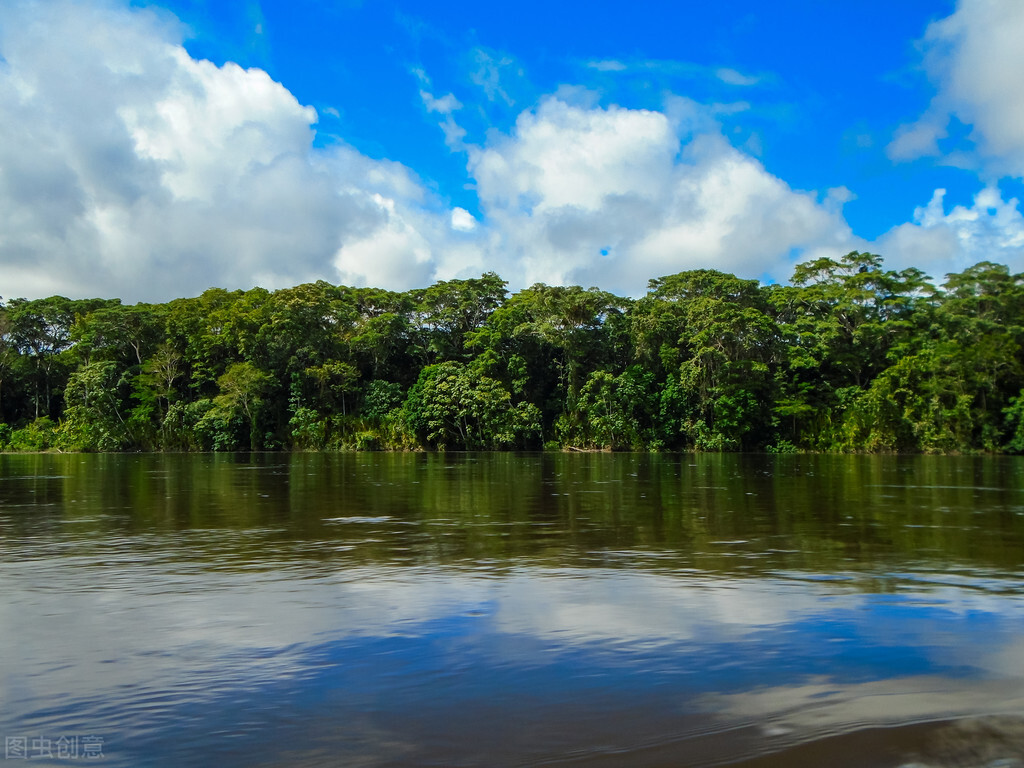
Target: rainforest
[848,357]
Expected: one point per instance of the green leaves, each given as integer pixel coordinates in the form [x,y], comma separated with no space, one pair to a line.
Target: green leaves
[242,390]
[850,356]
[450,406]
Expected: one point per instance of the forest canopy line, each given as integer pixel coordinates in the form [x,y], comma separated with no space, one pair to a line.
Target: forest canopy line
[849,357]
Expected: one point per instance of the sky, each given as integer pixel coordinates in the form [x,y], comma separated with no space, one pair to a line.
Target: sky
[150,150]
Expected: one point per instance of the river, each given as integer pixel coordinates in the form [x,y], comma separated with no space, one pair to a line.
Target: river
[512,609]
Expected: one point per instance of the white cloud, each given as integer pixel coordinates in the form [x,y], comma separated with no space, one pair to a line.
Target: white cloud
[445,105]
[129,169]
[675,69]
[991,229]
[388,250]
[920,139]
[607,65]
[490,71]
[837,197]
[566,156]
[215,126]
[730,76]
[975,57]
[611,197]
[462,220]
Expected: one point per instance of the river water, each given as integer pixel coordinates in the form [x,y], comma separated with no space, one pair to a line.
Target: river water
[512,609]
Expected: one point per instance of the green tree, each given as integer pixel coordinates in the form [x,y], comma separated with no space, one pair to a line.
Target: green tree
[841,323]
[715,342]
[8,353]
[242,391]
[544,342]
[198,329]
[124,334]
[619,411]
[381,338]
[94,419]
[447,313]
[41,331]
[450,406]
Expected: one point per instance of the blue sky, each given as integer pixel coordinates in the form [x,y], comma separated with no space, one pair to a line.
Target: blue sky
[150,150]
[823,84]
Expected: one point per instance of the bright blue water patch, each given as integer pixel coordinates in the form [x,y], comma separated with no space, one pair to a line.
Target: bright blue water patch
[413,684]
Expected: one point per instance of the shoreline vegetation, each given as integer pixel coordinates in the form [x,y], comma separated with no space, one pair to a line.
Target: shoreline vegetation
[849,357]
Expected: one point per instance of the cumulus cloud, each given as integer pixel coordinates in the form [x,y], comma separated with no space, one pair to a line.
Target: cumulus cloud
[612,196]
[128,168]
[462,220]
[990,229]
[400,240]
[975,57]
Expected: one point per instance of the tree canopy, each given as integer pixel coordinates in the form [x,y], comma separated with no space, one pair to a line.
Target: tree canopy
[850,356]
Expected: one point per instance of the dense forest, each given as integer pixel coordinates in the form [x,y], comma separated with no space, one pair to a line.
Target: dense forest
[848,357]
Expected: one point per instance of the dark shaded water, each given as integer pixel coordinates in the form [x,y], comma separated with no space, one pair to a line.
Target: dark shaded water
[496,609]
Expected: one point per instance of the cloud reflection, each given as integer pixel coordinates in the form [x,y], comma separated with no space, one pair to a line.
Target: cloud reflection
[382,644]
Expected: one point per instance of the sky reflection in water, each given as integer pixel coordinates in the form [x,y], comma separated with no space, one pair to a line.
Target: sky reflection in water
[285,637]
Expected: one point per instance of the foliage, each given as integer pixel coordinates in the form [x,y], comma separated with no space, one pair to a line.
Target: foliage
[38,435]
[450,406]
[850,356]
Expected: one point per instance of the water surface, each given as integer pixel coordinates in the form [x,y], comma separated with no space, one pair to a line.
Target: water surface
[500,609]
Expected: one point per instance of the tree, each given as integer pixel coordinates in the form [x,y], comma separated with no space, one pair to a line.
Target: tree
[451,406]
[545,340]
[242,388]
[381,336]
[124,334]
[841,323]
[198,330]
[41,330]
[619,411]
[8,352]
[94,419]
[448,312]
[715,342]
